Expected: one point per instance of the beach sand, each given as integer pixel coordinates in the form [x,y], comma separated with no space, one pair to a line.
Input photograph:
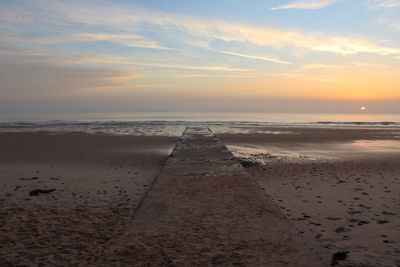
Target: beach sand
[340,187]
[205,210]
[98,180]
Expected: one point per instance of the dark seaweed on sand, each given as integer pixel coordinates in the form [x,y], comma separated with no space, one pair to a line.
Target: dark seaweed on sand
[339,256]
[249,163]
[40,191]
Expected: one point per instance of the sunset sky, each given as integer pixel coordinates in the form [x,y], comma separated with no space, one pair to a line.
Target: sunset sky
[211,55]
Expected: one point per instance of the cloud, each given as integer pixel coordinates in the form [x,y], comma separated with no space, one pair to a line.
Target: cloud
[37,80]
[388,3]
[391,24]
[35,35]
[84,18]
[127,39]
[262,58]
[205,75]
[20,56]
[42,56]
[306,4]
[192,67]
[289,39]
[353,45]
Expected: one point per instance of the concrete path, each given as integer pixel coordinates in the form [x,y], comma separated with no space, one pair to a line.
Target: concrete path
[205,210]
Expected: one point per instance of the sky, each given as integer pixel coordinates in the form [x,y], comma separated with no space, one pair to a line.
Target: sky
[195,56]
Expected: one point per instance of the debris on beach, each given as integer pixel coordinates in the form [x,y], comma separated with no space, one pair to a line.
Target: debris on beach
[28,179]
[255,160]
[246,162]
[342,230]
[339,256]
[382,221]
[40,191]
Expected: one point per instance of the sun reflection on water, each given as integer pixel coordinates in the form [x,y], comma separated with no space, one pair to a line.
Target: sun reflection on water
[377,145]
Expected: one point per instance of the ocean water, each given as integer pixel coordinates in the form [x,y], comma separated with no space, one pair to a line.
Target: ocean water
[268,118]
[173,124]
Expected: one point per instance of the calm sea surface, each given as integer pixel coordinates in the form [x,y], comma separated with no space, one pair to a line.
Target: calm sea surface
[203,116]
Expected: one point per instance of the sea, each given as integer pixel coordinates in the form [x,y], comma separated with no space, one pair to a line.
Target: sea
[172,124]
[211,117]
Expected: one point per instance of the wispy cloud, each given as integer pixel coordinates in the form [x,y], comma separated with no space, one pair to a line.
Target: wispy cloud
[126,39]
[133,21]
[262,58]
[205,75]
[291,39]
[192,67]
[84,60]
[306,4]
[388,3]
[392,24]
[315,72]
[43,80]
[87,35]
[353,45]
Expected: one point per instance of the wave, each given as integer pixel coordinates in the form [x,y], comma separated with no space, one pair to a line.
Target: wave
[383,123]
[48,123]
[169,128]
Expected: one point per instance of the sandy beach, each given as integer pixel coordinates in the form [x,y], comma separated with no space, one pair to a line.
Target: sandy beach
[338,189]
[98,180]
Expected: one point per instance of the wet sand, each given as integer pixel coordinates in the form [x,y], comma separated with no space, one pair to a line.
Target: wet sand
[98,180]
[340,187]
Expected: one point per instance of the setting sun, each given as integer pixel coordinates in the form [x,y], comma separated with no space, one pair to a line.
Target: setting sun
[363,108]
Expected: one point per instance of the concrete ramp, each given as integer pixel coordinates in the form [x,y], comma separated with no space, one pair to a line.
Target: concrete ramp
[205,210]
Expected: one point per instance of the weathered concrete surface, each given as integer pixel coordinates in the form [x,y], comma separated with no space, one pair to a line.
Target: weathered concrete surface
[204,210]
